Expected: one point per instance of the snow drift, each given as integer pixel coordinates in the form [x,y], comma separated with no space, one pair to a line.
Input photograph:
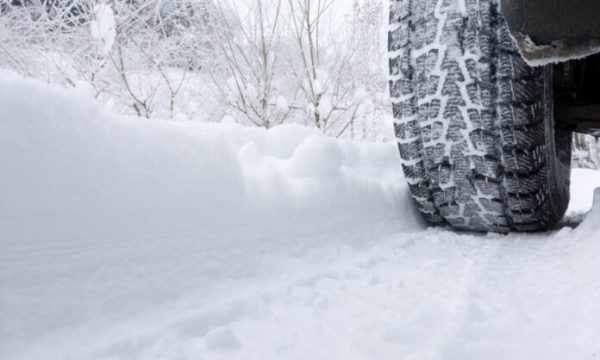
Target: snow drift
[72,165]
[130,239]
[80,186]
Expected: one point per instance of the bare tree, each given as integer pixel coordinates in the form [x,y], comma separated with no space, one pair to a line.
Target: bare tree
[324,73]
[249,39]
[134,53]
[43,40]
[147,37]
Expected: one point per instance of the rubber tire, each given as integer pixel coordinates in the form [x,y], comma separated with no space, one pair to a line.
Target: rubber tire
[474,123]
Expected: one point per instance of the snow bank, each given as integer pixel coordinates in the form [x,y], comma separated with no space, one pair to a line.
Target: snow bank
[108,222]
[70,164]
[591,224]
[583,183]
[575,278]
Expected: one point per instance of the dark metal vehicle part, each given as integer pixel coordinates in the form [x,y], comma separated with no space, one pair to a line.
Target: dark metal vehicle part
[577,95]
[566,33]
[551,30]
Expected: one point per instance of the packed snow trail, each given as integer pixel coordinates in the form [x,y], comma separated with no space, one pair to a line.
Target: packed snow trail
[129,239]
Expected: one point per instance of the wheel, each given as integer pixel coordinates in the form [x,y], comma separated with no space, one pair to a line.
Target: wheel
[474,123]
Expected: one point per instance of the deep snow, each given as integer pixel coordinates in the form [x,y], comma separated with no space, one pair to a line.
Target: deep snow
[129,239]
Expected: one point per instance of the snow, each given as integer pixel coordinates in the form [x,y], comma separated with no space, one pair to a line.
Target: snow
[462,7]
[583,183]
[131,239]
[282,104]
[541,55]
[103,26]
[317,87]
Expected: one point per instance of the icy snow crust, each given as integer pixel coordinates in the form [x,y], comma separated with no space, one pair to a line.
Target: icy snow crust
[128,239]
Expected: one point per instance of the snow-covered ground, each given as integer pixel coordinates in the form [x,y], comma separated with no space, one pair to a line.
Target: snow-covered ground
[129,239]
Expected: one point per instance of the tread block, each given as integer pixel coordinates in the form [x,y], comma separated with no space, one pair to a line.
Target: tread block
[404,109]
[400,66]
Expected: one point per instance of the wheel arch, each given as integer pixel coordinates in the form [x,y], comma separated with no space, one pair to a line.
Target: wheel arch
[553,30]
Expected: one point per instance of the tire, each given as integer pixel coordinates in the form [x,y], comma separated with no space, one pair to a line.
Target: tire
[474,123]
